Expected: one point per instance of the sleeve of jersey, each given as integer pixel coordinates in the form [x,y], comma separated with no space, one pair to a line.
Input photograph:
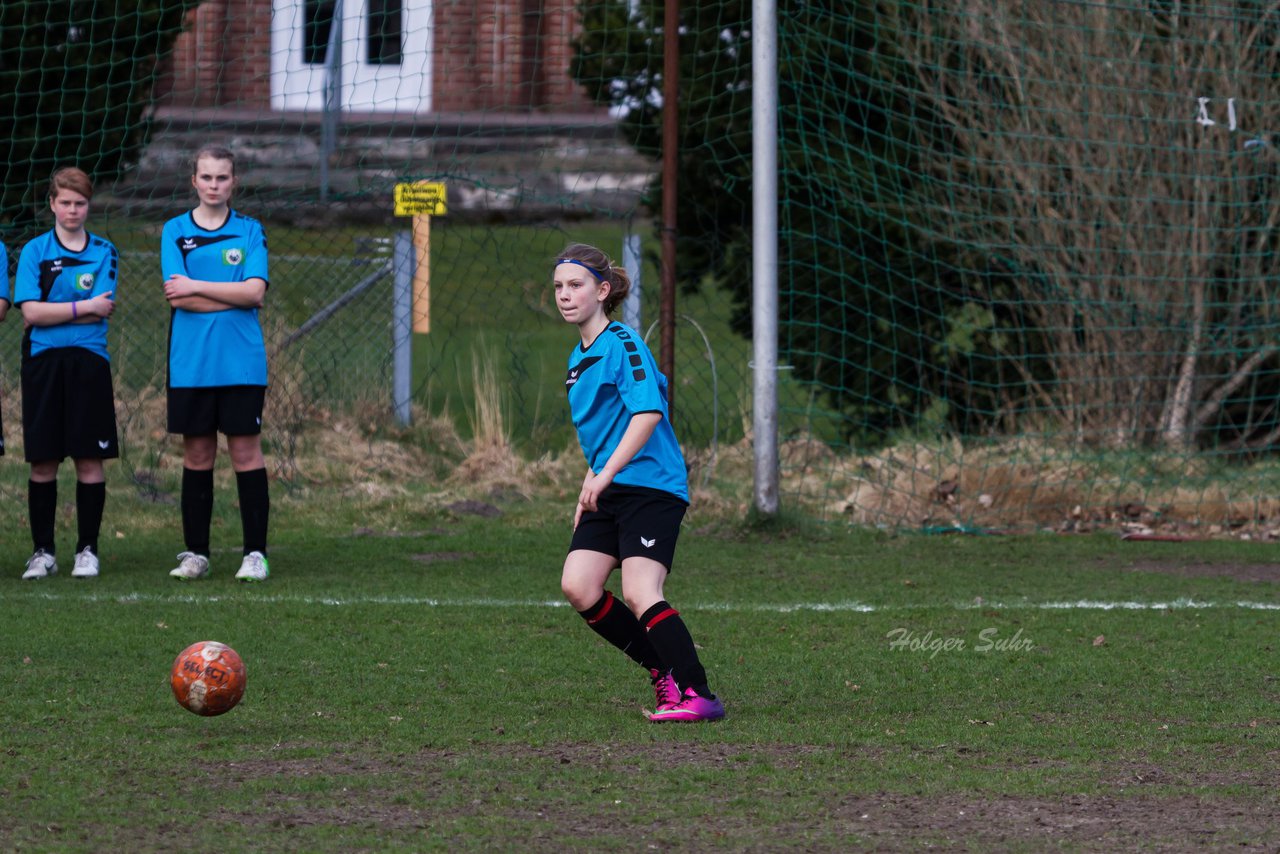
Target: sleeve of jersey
[255,264]
[108,282]
[26,283]
[171,262]
[637,377]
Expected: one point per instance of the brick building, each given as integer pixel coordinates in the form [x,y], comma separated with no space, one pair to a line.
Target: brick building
[407,57]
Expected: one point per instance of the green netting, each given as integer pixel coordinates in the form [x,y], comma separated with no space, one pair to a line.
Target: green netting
[1029,254]
[328,107]
[1025,247]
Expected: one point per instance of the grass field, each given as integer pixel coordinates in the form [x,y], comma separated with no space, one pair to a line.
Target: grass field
[415,684]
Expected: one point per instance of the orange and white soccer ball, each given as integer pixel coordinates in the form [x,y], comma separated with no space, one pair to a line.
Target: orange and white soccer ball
[208,678]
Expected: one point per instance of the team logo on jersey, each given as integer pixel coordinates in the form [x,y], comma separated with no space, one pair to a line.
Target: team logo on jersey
[84,282]
[576,371]
[232,257]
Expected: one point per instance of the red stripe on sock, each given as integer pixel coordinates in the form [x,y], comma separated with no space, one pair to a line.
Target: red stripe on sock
[670,612]
[604,609]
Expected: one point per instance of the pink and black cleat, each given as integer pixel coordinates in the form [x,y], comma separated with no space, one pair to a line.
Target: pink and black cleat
[666,692]
[691,708]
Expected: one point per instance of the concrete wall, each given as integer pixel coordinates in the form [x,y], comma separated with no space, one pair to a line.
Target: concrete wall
[527,167]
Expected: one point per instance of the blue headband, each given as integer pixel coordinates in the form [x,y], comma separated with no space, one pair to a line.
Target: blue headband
[592,270]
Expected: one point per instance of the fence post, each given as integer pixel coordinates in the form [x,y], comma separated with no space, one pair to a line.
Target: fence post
[764,260]
[332,100]
[631,263]
[402,260]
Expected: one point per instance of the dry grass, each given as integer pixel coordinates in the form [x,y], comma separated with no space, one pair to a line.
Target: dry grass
[1027,485]
[1017,484]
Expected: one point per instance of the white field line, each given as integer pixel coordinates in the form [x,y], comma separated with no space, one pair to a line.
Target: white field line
[751,607]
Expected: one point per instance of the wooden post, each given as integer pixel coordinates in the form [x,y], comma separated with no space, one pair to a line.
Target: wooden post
[422,273]
[421,200]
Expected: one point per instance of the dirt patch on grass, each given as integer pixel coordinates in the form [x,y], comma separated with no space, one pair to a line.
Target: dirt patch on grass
[1266,572]
[450,790]
[1080,822]
[616,756]
[440,557]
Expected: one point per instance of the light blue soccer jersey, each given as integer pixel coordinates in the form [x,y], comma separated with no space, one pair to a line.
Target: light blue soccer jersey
[609,382]
[217,348]
[50,272]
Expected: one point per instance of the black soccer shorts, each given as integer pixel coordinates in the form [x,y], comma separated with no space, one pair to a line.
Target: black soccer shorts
[233,410]
[68,406]
[632,521]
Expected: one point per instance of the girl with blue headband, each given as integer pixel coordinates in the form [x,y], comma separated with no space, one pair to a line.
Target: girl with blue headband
[635,492]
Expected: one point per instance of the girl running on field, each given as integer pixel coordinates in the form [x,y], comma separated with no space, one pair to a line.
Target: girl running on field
[65,286]
[635,492]
[214,263]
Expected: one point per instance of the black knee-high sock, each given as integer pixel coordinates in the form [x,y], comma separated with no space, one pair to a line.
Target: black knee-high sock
[671,638]
[255,508]
[90,499]
[197,509]
[42,508]
[612,620]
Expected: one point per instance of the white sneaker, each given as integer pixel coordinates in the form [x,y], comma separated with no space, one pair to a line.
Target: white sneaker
[253,568]
[190,567]
[40,565]
[86,564]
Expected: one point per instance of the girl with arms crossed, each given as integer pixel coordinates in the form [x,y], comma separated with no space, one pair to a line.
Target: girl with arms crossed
[64,285]
[635,493]
[214,263]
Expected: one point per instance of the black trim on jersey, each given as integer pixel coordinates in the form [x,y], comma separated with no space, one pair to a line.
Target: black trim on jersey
[51,268]
[575,373]
[168,350]
[624,336]
[187,245]
[192,215]
[58,240]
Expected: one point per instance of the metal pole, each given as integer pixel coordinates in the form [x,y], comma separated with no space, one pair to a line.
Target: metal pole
[631,263]
[315,321]
[764,259]
[332,101]
[402,259]
[670,155]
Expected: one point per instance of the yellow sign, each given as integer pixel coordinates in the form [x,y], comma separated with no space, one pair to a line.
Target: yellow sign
[422,197]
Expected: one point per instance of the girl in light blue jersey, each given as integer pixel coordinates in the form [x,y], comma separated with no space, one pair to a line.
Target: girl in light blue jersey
[635,491]
[65,286]
[214,263]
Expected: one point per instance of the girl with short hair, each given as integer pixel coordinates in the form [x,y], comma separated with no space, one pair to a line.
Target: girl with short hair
[65,286]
